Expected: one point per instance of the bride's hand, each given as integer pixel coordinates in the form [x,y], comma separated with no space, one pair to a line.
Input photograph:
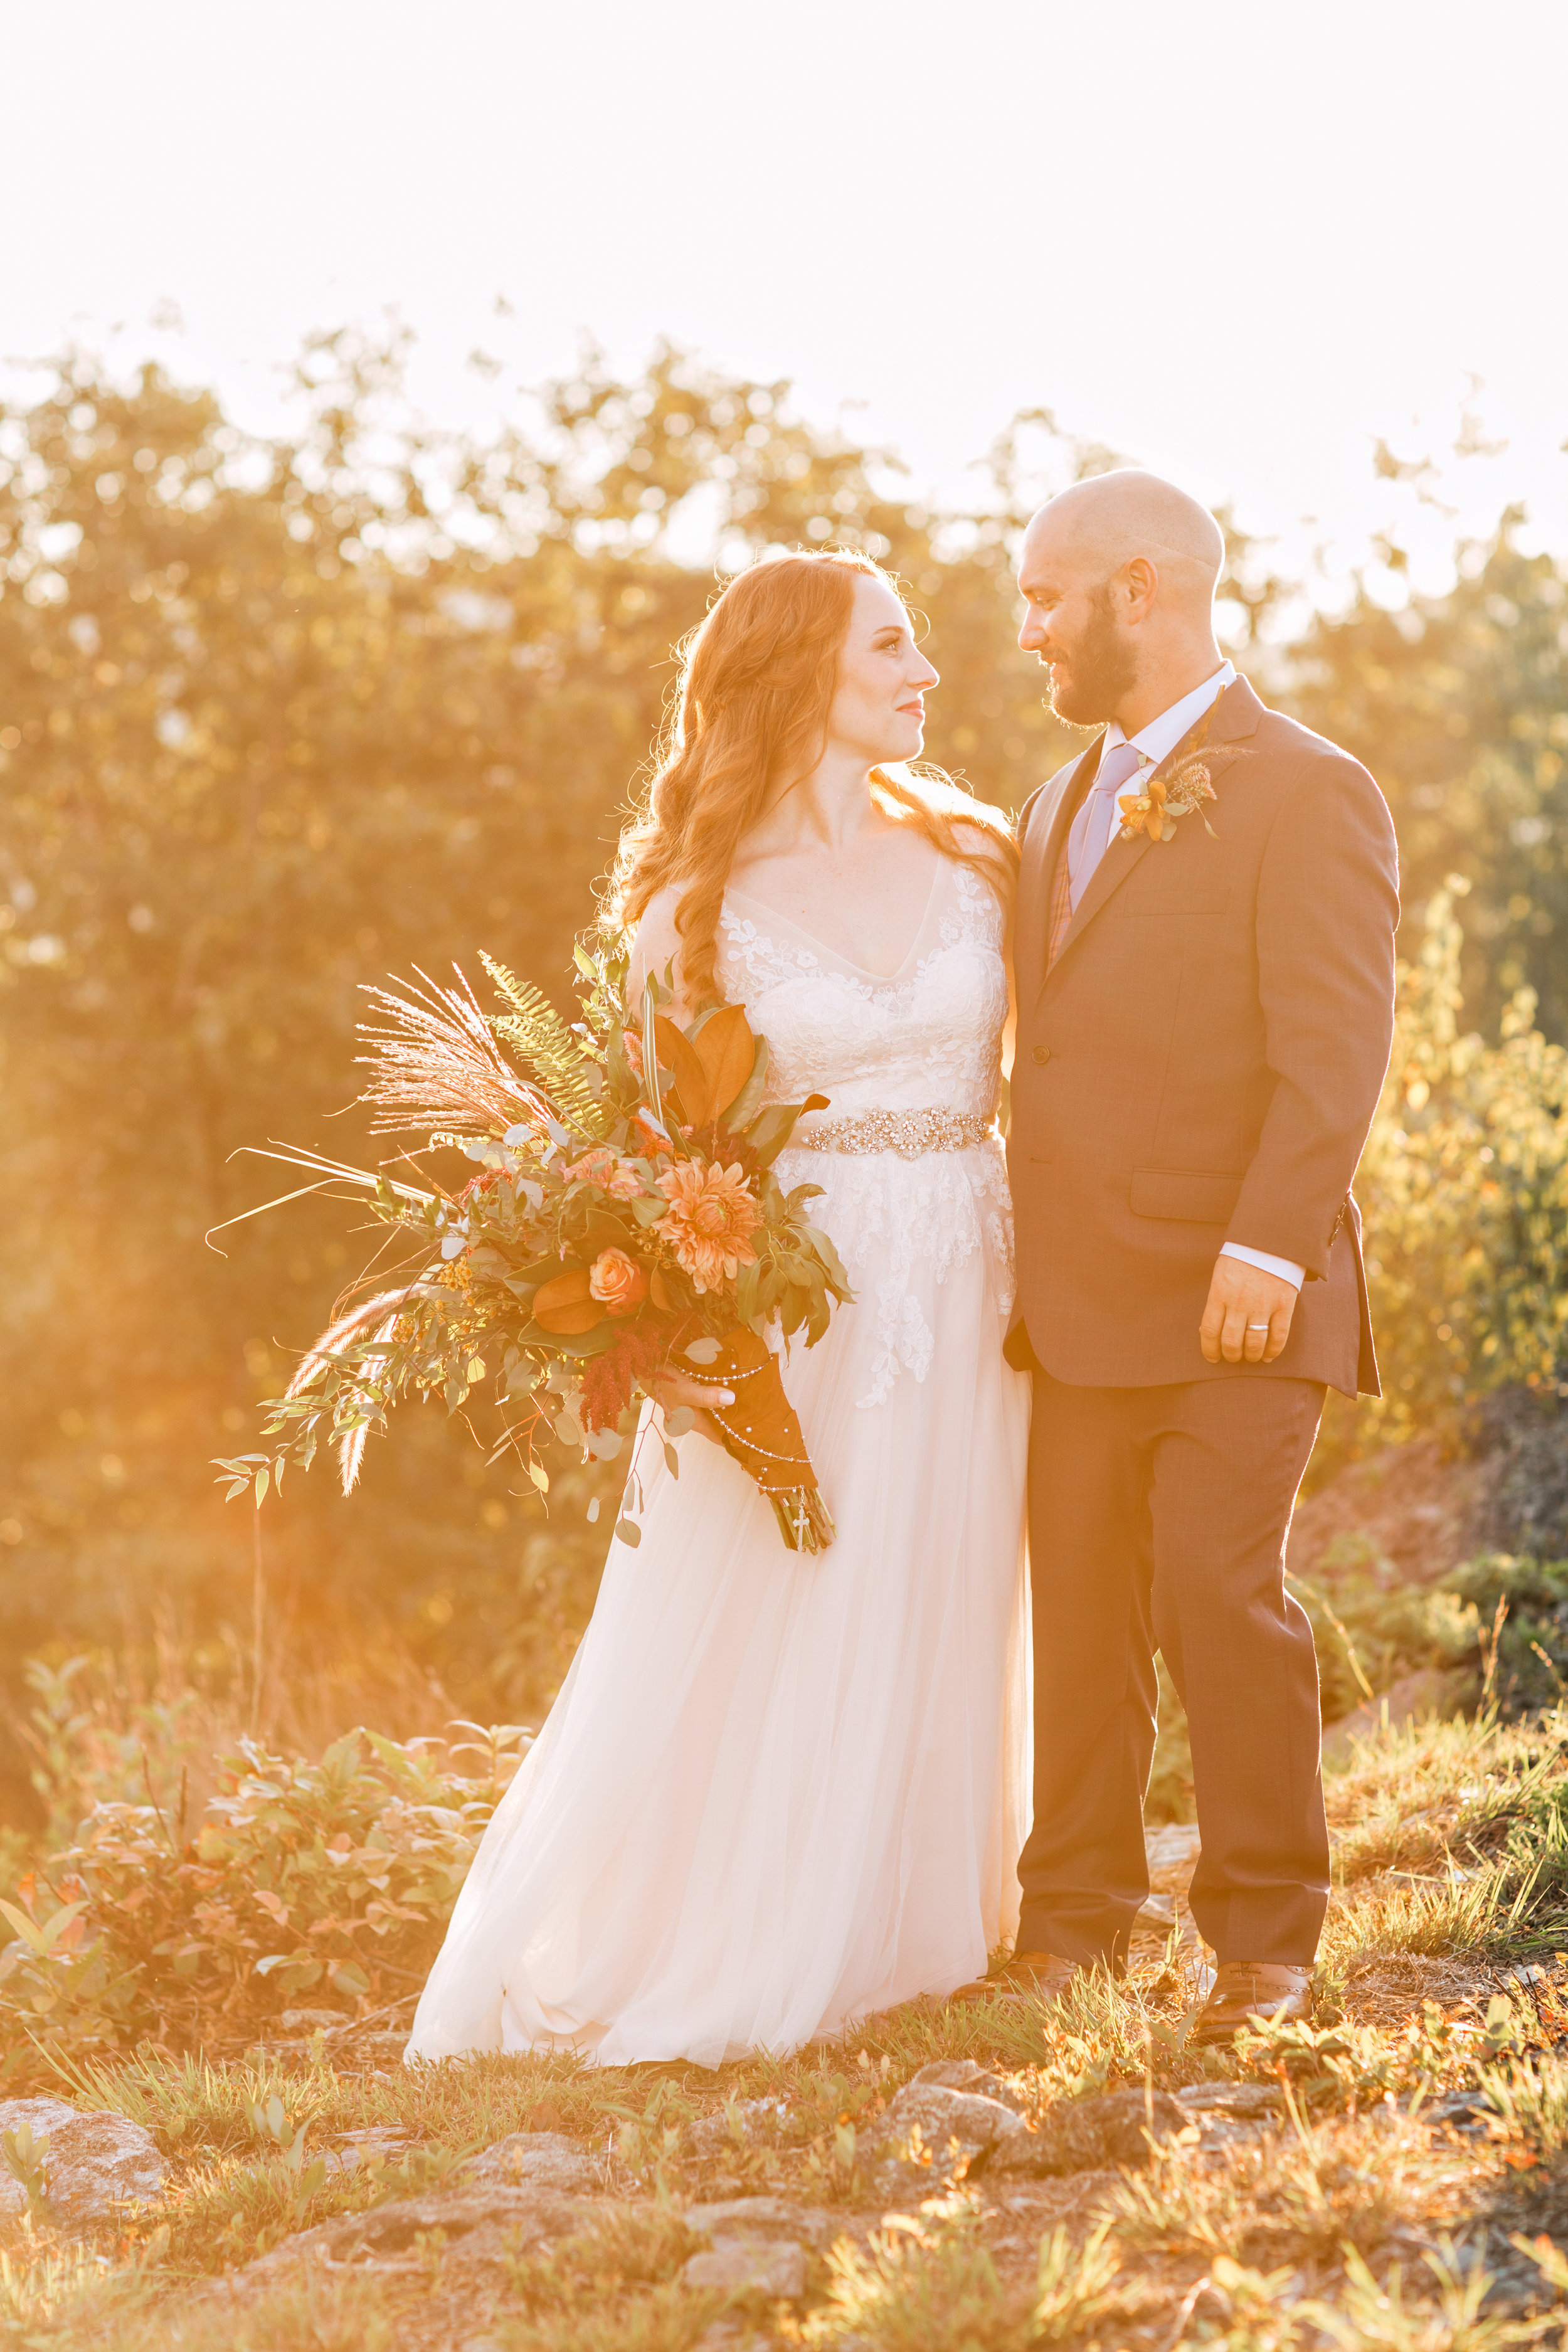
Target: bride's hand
[676,1389]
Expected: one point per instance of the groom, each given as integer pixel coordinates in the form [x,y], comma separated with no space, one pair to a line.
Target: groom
[1203,1026]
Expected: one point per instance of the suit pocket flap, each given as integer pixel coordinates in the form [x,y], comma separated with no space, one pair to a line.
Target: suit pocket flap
[1202,1200]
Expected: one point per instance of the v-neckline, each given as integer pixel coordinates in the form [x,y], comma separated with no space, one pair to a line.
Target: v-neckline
[879,979]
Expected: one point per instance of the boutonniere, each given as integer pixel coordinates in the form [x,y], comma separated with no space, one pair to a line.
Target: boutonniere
[1182,790]
[1165,799]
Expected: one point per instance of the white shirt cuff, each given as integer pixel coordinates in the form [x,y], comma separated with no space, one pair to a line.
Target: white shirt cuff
[1285,1267]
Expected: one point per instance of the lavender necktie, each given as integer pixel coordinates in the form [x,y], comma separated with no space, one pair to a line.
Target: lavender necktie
[1095,822]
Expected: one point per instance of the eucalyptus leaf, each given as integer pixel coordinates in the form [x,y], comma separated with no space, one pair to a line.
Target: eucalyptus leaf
[629,1532]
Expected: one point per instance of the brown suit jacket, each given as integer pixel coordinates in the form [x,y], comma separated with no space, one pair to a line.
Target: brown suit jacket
[1201,1062]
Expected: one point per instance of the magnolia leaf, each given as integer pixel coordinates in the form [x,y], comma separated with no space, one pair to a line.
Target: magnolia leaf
[690,1083]
[744,1109]
[727,1052]
[566,1306]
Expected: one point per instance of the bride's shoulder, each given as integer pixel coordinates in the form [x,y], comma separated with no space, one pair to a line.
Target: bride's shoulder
[988,836]
[985,849]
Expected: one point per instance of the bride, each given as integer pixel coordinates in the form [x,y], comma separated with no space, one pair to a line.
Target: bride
[779,1792]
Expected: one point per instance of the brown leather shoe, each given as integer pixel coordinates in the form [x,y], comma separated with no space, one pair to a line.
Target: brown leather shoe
[1244,1989]
[1027,1976]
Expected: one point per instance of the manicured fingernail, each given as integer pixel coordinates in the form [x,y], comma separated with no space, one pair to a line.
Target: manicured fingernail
[725,1397]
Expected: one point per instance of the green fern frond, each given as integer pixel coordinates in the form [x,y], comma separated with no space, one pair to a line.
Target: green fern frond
[540,1039]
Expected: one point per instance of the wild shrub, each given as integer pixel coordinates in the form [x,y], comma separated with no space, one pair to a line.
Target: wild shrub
[334,1878]
[1533,1645]
[1464,1185]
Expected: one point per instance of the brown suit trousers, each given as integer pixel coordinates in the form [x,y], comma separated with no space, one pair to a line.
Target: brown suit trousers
[1198,1063]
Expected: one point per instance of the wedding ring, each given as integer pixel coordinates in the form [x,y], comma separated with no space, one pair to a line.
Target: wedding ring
[1258,1326]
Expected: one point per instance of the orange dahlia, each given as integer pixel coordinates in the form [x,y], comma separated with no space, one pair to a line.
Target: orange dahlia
[710,1221]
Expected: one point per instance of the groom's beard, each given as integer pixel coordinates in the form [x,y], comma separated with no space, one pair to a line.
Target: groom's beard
[1099,673]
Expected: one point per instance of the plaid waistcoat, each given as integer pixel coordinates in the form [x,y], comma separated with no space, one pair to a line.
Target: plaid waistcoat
[1061,908]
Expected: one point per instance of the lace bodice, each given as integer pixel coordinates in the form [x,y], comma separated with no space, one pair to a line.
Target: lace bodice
[929,1037]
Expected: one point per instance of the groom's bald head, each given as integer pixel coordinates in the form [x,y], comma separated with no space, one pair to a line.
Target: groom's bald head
[1108,521]
[1119,575]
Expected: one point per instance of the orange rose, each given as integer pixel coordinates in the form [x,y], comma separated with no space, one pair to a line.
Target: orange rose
[618,1282]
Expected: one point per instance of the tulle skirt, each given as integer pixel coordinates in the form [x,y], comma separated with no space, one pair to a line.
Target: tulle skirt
[779,1792]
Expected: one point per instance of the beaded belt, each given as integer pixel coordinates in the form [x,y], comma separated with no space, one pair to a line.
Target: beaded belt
[907,1132]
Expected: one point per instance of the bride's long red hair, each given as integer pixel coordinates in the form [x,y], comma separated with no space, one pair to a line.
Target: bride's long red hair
[757,681]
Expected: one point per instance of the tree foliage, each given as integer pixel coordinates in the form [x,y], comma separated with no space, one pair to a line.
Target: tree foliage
[1458,704]
[1465,1189]
[278,719]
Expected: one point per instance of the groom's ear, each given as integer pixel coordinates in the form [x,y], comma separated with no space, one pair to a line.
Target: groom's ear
[1139,582]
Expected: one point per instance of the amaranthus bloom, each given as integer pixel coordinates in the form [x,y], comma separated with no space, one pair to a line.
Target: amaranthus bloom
[599,1166]
[655,1145]
[617,1281]
[710,1221]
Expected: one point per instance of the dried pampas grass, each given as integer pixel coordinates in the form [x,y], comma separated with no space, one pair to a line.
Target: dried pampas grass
[436,1063]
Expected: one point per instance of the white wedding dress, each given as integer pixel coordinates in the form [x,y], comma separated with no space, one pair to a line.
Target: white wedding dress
[779,1792]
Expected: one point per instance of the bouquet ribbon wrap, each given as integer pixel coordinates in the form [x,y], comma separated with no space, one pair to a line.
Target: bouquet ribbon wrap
[762,1432]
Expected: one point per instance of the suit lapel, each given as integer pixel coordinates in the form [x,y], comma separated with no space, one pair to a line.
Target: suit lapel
[1237,716]
[1045,836]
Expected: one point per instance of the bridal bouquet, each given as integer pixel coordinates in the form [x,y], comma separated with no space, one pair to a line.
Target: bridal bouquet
[623,1221]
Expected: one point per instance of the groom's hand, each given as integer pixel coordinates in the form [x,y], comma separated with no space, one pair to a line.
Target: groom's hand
[1242,1297]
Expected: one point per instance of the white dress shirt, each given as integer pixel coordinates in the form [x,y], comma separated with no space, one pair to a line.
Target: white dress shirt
[1156,742]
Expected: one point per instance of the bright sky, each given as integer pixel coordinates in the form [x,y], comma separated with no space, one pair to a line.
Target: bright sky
[1236,242]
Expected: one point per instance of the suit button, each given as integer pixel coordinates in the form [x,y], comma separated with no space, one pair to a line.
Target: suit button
[1042,1054]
